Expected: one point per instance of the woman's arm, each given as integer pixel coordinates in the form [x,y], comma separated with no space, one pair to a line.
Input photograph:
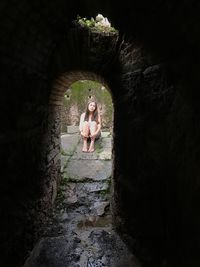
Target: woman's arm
[98,127]
[81,122]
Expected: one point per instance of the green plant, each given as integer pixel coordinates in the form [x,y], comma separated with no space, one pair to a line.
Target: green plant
[98,147]
[100,23]
[65,179]
[86,22]
[63,152]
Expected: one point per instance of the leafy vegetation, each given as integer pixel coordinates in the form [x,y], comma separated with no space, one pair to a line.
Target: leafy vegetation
[99,147]
[100,23]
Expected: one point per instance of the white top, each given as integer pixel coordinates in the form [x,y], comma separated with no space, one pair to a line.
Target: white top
[89,120]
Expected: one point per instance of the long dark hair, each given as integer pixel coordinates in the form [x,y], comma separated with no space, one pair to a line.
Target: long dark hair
[95,112]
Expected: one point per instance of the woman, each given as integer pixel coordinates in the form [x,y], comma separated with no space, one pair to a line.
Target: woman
[90,126]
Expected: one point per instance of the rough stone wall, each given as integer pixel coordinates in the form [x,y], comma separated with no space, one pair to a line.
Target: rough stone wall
[26,189]
[140,162]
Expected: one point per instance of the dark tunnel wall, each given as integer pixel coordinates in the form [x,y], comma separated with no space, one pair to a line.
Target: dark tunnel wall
[156,97]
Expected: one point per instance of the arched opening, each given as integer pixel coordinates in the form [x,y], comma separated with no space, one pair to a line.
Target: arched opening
[79,91]
[84,193]
[92,171]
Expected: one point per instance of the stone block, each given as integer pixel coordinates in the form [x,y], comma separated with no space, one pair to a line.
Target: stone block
[72,129]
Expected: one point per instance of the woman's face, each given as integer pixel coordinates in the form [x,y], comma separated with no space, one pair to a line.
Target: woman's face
[92,106]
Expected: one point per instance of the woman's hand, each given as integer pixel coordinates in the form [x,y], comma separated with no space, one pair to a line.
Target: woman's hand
[94,135]
[84,135]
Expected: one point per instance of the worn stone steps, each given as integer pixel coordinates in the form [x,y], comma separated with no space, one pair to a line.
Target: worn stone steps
[80,233]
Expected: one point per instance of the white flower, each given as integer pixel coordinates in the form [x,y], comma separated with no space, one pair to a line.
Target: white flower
[106,23]
[99,17]
[101,21]
[97,24]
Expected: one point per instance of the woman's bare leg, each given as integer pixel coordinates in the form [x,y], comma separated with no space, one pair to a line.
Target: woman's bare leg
[85,148]
[85,133]
[91,147]
[93,128]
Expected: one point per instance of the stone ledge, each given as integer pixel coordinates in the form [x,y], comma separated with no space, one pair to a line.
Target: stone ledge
[72,129]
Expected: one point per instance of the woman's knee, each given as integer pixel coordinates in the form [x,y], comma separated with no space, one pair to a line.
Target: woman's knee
[85,125]
[93,125]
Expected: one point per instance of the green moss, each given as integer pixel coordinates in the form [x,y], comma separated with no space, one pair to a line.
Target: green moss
[65,179]
[63,152]
[98,147]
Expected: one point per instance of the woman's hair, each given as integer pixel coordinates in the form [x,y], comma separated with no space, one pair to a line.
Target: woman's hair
[95,112]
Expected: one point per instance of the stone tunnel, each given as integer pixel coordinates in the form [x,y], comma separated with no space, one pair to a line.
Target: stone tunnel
[151,68]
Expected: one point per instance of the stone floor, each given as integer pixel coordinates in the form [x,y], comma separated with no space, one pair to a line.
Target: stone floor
[80,233]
